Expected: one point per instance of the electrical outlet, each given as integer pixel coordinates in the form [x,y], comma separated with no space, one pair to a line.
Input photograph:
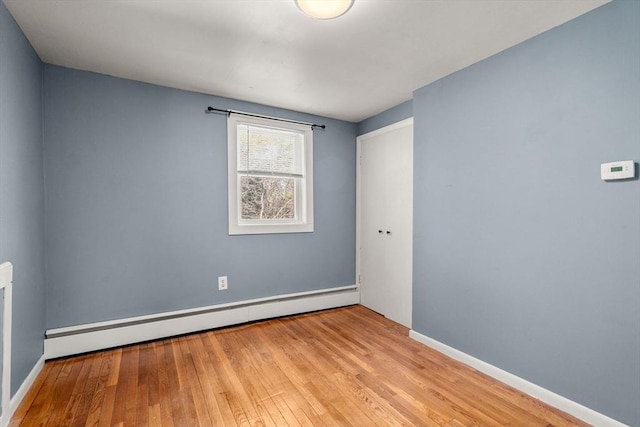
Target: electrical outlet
[222,283]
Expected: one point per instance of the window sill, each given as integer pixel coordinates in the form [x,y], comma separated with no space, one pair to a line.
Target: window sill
[235,230]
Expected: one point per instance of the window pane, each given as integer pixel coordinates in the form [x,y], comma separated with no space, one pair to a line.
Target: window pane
[267,198]
[270,176]
[269,150]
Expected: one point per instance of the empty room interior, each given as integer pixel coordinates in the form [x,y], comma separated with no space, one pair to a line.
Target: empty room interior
[320,212]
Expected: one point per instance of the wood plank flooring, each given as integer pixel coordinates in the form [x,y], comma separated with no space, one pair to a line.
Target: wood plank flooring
[342,367]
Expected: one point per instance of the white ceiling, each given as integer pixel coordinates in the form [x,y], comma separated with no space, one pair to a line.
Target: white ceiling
[268,52]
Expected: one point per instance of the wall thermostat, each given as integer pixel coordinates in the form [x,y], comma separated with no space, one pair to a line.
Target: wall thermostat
[618,170]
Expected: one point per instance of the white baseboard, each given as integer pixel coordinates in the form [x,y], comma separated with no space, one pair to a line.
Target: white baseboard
[569,406]
[26,385]
[98,336]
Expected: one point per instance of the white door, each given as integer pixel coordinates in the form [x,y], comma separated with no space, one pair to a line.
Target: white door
[385,223]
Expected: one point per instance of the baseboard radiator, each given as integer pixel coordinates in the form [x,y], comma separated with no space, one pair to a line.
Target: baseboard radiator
[79,339]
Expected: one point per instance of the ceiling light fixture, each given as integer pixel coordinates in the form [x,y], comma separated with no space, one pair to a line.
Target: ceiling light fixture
[324,9]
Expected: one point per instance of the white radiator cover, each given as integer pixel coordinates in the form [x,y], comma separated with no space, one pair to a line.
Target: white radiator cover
[72,340]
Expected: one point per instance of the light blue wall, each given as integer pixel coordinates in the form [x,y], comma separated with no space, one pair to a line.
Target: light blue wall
[523,257]
[22,192]
[386,118]
[137,204]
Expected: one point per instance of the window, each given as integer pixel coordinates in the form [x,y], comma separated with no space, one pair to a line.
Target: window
[270,176]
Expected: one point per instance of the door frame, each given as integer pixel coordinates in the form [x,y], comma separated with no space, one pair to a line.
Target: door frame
[360,139]
[6,285]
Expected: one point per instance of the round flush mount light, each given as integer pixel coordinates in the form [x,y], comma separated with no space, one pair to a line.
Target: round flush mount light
[324,9]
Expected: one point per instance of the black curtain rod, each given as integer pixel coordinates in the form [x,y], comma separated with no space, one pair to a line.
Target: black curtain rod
[229,112]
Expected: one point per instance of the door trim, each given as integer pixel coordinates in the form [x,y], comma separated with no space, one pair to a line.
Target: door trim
[6,284]
[359,140]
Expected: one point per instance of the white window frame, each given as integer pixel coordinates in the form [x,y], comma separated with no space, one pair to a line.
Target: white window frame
[304,222]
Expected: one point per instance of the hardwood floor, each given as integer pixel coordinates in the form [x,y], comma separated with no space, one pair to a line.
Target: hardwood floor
[342,367]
